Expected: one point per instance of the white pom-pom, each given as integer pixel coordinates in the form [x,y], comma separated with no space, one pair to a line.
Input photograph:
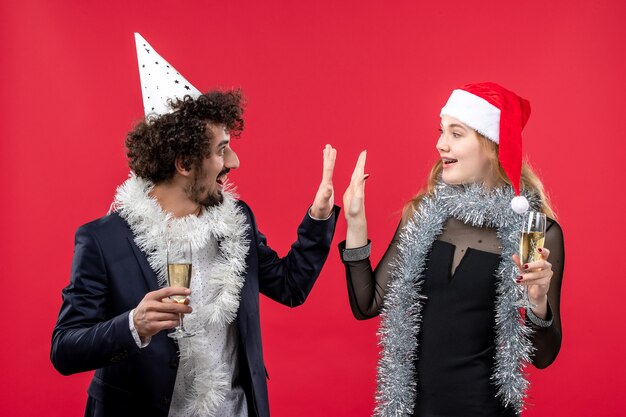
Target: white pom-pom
[519,204]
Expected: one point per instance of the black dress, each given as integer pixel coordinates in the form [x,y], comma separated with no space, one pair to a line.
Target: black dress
[457,335]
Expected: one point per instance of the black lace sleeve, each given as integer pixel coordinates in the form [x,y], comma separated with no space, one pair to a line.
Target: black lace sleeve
[367,287]
[547,340]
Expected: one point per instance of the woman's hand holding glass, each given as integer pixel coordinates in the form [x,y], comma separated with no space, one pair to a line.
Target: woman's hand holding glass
[536,276]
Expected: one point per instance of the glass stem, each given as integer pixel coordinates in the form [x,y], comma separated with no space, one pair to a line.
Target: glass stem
[182,327]
[527,298]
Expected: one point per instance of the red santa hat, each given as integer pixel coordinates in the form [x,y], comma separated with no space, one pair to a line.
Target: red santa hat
[499,115]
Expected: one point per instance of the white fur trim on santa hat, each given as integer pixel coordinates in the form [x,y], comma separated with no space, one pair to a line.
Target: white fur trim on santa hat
[474,111]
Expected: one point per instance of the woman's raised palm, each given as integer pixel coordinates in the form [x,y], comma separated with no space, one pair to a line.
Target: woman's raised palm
[354,197]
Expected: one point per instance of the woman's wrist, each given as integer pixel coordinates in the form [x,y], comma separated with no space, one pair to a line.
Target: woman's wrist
[356,235]
[545,321]
[356,221]
[541,307]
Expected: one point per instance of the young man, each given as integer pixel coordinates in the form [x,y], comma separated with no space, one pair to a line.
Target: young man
[116,311]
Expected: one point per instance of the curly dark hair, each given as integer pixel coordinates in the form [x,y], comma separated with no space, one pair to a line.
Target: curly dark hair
[154,144]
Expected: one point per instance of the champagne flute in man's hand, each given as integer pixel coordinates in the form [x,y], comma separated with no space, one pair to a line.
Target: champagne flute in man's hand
[179,275]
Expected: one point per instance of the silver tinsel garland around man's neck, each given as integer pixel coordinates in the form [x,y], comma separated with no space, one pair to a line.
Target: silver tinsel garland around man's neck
[402,311]
[226,224]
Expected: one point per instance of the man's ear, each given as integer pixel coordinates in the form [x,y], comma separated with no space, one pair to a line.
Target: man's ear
[180,167]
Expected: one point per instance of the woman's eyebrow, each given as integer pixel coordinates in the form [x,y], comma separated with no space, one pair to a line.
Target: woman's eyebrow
[453,125]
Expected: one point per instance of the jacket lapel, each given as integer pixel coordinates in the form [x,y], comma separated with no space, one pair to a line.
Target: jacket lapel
[148,273]
[244,310]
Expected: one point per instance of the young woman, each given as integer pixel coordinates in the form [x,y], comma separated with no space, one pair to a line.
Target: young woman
[453,341]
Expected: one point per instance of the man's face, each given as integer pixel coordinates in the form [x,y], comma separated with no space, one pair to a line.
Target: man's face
[209,177]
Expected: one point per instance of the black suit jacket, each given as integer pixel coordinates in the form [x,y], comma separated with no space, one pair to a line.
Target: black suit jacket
[110,275]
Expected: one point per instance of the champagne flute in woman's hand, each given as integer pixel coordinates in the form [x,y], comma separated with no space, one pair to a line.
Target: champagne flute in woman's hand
[179,275]
[532,238]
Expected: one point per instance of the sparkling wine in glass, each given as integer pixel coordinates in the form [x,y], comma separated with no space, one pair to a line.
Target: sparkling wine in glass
[179,264]
[532,238]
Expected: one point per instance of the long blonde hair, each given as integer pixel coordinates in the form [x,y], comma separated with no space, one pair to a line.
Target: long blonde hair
[529,181]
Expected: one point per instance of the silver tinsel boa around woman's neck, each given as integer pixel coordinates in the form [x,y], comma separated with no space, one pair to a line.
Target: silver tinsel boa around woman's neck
[401,315]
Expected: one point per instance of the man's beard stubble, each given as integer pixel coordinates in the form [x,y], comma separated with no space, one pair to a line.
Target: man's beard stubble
[195,191]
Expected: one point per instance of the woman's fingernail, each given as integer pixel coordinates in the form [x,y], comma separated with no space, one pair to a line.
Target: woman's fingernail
[519,279]
[525,266]
[540,250]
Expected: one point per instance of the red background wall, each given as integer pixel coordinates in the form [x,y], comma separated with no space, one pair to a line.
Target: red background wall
[355,74]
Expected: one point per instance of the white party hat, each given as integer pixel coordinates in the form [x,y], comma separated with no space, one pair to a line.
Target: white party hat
[159,80]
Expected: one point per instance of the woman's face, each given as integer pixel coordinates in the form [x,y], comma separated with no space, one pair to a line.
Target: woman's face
[464,158]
